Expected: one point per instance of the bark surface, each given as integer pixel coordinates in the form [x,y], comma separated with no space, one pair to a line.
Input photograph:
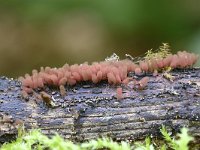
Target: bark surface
[92,110]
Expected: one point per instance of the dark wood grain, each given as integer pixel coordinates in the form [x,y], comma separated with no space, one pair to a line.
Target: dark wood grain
[90,111]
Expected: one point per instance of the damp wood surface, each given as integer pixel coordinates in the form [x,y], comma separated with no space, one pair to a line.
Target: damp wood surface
[88,110]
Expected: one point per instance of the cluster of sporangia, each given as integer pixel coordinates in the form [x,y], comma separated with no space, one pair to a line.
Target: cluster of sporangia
[113,70]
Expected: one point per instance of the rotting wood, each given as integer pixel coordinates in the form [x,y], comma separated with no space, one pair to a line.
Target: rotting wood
[92,110]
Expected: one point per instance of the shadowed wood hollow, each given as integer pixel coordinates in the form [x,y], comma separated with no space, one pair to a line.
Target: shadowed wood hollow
[90,110]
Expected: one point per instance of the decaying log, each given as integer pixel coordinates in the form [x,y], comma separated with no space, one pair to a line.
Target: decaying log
[92,110]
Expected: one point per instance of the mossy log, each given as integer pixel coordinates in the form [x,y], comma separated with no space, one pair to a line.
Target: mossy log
[92,110]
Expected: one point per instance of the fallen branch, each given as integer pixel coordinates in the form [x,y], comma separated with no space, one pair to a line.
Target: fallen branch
[92,110]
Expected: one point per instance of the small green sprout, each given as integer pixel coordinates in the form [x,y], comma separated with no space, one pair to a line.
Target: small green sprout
[163,51]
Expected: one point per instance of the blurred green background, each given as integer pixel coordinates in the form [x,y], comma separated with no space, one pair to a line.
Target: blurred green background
[50,33]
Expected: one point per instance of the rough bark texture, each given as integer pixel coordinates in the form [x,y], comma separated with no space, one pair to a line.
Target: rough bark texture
[89,111]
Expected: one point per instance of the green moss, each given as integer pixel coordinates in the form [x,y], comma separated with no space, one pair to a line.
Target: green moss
[36,140]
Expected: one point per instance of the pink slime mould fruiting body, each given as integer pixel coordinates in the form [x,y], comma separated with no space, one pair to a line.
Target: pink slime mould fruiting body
[115,72]
[119,94]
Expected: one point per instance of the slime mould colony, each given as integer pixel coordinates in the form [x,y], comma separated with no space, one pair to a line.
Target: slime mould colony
[113,70]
